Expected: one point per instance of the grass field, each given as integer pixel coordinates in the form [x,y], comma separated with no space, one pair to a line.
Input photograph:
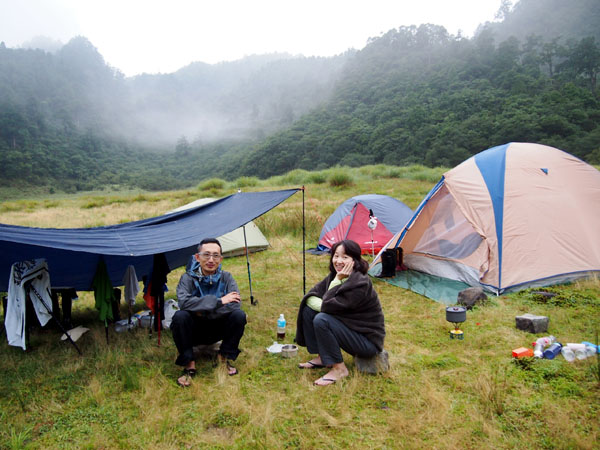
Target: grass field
[439,393]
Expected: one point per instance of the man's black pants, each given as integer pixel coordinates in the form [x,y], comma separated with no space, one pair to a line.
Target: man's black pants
[190,330]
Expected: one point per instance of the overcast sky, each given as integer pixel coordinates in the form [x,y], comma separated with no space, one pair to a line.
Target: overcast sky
[152,36]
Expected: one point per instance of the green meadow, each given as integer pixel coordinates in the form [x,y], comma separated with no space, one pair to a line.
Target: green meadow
[438,393]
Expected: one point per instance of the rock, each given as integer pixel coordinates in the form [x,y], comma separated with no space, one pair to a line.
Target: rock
[532,323]
[377,364]
[544,294]
[207,351]
[471,296]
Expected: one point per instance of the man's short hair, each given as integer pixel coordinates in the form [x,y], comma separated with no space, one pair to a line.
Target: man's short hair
[210,241]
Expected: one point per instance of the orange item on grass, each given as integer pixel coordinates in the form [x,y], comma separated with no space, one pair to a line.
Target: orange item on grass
[522,352]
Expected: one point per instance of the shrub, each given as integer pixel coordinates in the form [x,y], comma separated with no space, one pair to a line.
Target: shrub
[316,178]
[212,184]
[297,176]
[246,182]
[340,177]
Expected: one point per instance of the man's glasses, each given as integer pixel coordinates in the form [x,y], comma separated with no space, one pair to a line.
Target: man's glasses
[214,256]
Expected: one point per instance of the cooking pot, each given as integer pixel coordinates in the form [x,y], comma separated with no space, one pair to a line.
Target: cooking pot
[456,314]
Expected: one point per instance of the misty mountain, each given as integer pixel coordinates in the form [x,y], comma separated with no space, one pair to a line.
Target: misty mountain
[421,95]
[248,98]
[416,94]
[547,20]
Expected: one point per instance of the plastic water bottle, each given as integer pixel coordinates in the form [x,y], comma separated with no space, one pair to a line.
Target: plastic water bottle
[540,344]
[589,344]
[281,327]
[553,350]
[568,353]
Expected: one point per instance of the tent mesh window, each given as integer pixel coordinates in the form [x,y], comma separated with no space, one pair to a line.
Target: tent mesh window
[449,234]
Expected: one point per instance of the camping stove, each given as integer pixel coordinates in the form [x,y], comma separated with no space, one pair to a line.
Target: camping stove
[456,315]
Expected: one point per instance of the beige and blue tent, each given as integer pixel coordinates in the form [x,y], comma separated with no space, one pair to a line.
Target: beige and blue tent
[511,217]
[233,243]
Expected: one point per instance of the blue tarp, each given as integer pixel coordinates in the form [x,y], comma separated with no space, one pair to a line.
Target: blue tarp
[73,253]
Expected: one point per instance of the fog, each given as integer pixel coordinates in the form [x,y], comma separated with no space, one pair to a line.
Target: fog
[149,36]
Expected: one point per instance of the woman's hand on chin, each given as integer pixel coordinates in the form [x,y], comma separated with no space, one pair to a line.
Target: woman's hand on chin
[345,271]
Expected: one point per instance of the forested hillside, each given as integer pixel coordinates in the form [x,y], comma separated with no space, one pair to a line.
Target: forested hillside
[418,94]
[415,94]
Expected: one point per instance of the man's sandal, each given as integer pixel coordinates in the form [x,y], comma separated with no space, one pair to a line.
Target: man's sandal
[231,370]
[187,381]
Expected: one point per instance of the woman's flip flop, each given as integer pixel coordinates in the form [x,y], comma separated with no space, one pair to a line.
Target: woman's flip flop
[326,381]
[311,365]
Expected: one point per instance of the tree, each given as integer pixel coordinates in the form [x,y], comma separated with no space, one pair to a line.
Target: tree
[584,59]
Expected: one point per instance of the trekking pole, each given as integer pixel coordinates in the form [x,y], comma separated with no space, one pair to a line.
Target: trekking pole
[39,297]
[161,304]
[252,301]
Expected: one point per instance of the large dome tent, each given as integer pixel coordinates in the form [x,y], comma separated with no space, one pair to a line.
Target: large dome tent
[514,216]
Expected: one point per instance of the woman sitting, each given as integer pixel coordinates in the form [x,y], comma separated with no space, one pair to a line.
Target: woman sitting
[341,312]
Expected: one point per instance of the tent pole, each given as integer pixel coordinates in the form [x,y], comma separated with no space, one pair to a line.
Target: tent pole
[303,246]
[252,301]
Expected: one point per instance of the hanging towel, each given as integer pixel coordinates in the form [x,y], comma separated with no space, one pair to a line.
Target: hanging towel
[103,292]
[23,275]
[131,284]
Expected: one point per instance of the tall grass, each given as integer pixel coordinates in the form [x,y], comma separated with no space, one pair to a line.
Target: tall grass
[439,393]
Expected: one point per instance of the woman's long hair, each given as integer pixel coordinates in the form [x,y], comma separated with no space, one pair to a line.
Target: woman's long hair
[351,249]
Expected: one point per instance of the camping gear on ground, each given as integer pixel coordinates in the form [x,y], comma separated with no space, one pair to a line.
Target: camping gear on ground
[553,350]
[511,217]
[580,351]
[235,242]
[289,350]
[540,344]
[275,347]
[281,328]
[351,221]
[126,324]
[75,333]
[171,307]
[456,315]
[391,259]
[144,318]
[594,346]
[567,353]
[522,352]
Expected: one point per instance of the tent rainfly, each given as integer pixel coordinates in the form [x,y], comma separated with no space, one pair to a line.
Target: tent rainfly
[511,217]
[233,243]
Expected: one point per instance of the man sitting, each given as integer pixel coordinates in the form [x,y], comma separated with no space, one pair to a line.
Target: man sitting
[209,311]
